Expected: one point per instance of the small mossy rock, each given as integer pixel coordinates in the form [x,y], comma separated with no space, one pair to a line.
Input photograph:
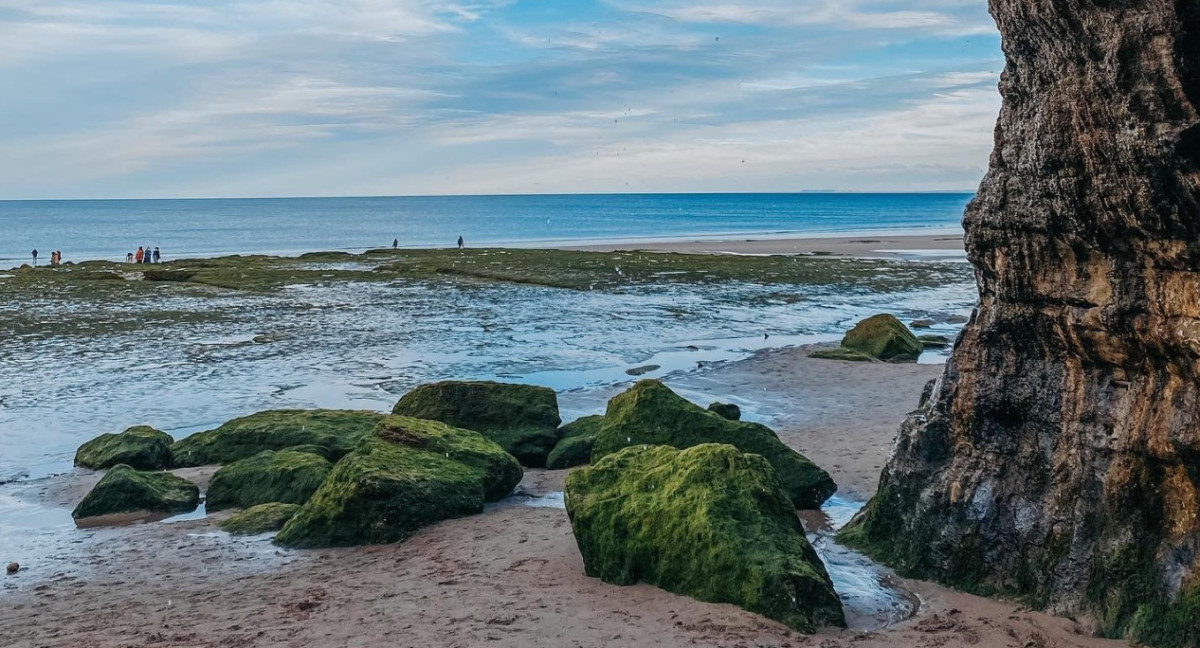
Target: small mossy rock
[707,522]
[651,414]
[884,337]
[408,474]
[337,432]
[260,519]
[841,353]
[286,476]
[523,419]
[934,341]
[141,447]
[123,490]
[575,444]
[727,411]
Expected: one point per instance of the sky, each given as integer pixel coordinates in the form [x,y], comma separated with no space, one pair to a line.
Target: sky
[210,98]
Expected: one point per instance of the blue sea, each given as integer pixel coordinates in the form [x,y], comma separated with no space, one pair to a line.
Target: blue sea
[108,229]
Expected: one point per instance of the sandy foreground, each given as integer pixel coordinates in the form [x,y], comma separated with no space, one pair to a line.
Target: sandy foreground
[509,577]
[861,246]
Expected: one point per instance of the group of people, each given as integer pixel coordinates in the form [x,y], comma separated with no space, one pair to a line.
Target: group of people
[55,257]
[144,255]
[396,243]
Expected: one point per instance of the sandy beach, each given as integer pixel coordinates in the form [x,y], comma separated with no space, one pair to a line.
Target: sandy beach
[866,246]
[509,577]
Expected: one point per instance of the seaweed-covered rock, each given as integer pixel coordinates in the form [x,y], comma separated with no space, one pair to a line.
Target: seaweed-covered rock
[884,337]
[260,519]
[286,476]
[408,474]
[124,489]
[651,414]
[841,353]
[727,411]
[575,445]
[141,447]
[934,341]
[523,419]
[708,522]
[336,431]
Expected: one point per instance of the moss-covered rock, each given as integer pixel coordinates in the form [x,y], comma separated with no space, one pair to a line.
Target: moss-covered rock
[574,447]
[523,419]
[124,490]
[934,341]
[335,431]
[841,353]
[708,522]
[141,447]
[884,337]
[651,414]
[286,476]
[408,474]
[727,411]
[260,519]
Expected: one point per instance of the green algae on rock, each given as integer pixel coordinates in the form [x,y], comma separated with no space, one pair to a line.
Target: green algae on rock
[124,490]
[523,419]
[141,447]
[574,447]
[707,522]
[934,341]
[884,337]
[260,519]
[841,353]
[408,474]
[727,411]
[336,431]
[286,476]
[651,414]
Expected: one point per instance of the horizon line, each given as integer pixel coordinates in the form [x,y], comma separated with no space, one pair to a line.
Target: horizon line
[802,192]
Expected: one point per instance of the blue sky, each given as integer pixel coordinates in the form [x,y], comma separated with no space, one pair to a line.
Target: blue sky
[124,98]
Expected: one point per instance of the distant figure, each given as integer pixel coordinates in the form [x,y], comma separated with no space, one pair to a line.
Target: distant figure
[35,257]
[138,257]
[55,258]
[157,256]
[395,243]
[148,258]
[460,242]
[129,257]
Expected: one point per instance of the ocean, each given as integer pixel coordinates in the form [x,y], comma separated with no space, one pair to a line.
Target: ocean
[108,229]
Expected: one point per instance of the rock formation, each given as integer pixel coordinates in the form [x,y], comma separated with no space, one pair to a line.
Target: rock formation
[1059,457]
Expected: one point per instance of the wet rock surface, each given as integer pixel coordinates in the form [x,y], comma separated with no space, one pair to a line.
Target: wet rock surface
[124,490]
[1059,458]
[141,447]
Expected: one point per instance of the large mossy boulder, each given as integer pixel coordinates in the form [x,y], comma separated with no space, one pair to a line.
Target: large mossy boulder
[709,522]
[523,419]
[141,447]
[884,337]
[575,442]
[125,490]
[408,474]
[651,414]
[260,519]
[286,476]
[334,432]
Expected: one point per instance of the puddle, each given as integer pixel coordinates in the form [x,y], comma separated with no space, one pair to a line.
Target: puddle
[871,595]
[550,500]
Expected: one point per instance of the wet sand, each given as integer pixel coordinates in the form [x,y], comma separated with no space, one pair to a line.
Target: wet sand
[509,577]
[892,246]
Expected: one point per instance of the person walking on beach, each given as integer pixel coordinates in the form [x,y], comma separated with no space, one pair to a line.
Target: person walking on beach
[460,242]
[129,257]
[138,257]
[157,256]
[147,258]
[35,257]
[395,243]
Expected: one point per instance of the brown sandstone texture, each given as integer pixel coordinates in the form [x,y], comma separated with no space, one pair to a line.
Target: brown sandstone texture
[1058,459]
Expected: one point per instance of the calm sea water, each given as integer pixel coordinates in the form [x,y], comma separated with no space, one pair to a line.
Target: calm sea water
[108,229]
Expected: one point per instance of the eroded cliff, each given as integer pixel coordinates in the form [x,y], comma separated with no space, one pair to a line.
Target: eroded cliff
[1059,457]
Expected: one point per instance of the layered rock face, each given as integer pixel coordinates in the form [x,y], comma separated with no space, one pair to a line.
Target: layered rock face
[1059,457]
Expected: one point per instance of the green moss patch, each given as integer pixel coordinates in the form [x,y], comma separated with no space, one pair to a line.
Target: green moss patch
[841,353]
[884,337]
[337,432]
[523,419]
[260,519]
[727,411]
[575,445]
[124,490]
[708,522]
[408,474]
[934,341]
[286,476]
[651,414]
[141,447]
